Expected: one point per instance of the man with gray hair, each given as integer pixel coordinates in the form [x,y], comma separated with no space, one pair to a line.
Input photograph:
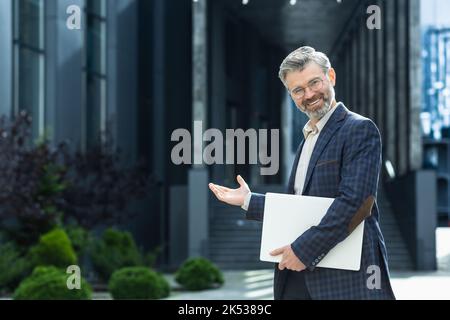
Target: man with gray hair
[339,157]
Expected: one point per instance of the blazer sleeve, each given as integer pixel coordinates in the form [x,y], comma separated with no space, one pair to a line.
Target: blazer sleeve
[361,162]
[256,207]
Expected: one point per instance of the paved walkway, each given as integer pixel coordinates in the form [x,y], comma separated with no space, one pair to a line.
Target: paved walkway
[257,285]
[242,285]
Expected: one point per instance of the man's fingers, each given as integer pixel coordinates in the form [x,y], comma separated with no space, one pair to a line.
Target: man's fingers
[216,191]
[220,188]
[241,181]
[223,189]
[277,252]
[281,266]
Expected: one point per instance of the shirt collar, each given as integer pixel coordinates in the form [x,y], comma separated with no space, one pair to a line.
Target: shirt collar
[308,128]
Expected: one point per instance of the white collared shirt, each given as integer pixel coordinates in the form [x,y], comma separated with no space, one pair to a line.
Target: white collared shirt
[311,134]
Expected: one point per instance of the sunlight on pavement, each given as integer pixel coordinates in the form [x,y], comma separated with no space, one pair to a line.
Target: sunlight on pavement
[255,273]
[416,286]
[443,248]
[263,277]
[259,284]
[258,294]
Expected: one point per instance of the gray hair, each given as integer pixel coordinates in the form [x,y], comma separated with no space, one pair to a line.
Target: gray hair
[298,60]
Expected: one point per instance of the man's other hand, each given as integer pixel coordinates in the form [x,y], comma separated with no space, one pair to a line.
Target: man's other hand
[235,197]
[289,260]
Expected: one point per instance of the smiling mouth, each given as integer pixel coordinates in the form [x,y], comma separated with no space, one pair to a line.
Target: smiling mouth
[314,103]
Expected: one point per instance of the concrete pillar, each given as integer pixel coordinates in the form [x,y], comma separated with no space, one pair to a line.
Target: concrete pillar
[354,75]
[402,86]
[415,85]
[123,25]
[63,67]
[347,76]
[287,128]
[390,83]
[198,176]
[6,59]
[371,75]
[426,220]
[159,89]
[362,72]
[413,198]
[380,78]
[218,77]
[113,80]
[178,220]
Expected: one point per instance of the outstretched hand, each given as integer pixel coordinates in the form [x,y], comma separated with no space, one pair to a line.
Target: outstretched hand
[235,197]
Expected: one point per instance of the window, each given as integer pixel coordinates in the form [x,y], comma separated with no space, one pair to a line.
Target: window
[29,75]
[436,85]
[95,72]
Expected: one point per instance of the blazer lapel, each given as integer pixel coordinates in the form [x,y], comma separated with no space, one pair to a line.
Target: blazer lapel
[328,131]
[290,186]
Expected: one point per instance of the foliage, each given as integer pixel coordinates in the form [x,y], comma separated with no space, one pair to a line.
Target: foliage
[43,186]
[55,249]
[13,266]
[138,283]
[199,274]
[79,237]
[50,283]
[31,182]
[101,187]
[115,250]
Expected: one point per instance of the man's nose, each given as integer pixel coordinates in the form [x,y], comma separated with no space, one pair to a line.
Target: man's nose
[308,93]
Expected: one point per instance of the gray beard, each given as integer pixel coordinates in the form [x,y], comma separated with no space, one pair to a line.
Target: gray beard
[319,114]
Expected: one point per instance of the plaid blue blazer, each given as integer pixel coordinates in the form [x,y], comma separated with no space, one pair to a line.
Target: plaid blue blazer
[345,165]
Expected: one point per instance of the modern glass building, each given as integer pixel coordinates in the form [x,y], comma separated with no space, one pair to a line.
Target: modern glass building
[144,68]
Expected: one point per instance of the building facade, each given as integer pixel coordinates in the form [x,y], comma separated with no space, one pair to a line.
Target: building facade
[141,69]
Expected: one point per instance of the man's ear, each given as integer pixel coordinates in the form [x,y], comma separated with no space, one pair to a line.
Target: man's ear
[332,76]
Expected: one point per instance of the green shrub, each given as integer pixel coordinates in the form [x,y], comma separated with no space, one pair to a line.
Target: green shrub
[199,274]
[50,283]
[138,283]
[79,237]
[13,267]
[149,258]
[115,250]
[54,248]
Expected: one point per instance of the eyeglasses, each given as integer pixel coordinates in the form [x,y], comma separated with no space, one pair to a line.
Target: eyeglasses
[314,85]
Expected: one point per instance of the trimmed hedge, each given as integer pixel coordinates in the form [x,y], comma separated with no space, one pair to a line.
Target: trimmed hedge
[115,250]
[50,283]
[199,274]
[54,249]
[79,237]
[13,266]
[138,283]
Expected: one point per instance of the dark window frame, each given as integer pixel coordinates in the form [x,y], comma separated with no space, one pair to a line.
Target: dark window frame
[94,118]
[21,46]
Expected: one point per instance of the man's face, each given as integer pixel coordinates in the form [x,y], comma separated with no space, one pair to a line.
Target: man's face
[315,103]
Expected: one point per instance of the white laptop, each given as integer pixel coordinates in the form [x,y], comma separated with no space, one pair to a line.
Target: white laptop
[286,217]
